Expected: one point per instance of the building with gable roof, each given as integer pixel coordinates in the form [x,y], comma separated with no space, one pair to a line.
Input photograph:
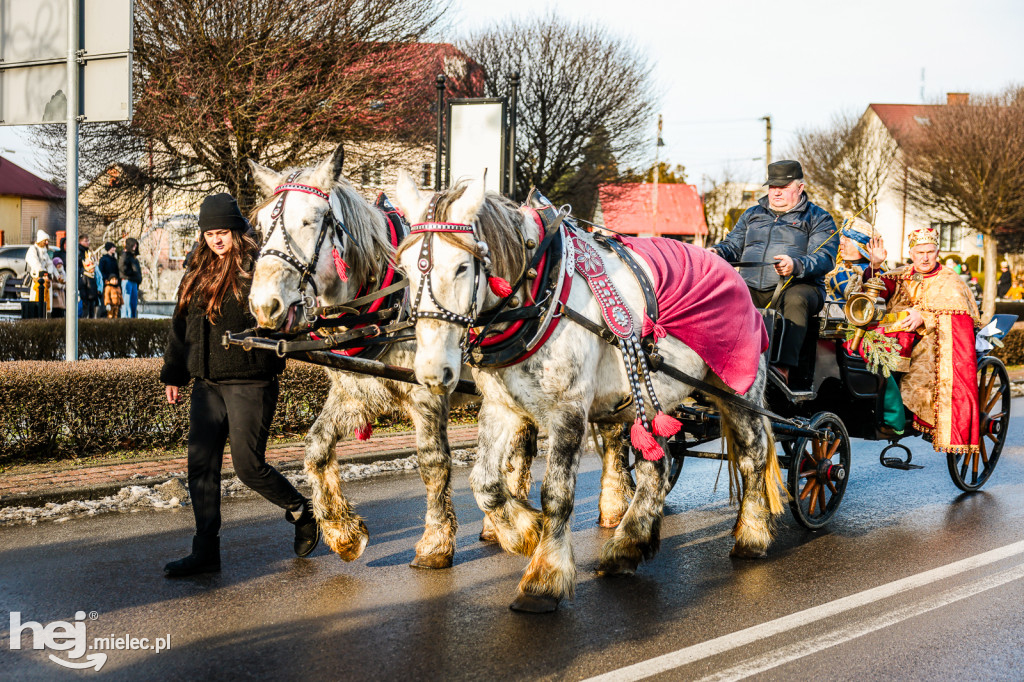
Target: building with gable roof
[896,218]
[28,204]
[647,210]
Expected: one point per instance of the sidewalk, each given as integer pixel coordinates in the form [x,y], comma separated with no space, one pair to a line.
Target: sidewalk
[37,484]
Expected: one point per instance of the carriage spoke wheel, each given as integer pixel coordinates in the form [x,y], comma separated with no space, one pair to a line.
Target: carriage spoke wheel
[970,471]
[818,471]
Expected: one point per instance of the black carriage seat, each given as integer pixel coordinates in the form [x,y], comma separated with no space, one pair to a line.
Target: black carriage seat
[775,325]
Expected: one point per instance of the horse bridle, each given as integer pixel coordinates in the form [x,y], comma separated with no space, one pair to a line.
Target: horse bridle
[425,263]
[331,222]
[482,265]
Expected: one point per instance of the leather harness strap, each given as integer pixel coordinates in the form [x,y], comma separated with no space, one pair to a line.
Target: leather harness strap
[642,280]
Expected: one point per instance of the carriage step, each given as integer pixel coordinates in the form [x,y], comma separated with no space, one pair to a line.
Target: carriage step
[897,463]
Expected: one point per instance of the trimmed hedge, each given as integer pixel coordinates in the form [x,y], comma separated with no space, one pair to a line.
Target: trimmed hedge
[97,339]
[1012,352]
[59,409]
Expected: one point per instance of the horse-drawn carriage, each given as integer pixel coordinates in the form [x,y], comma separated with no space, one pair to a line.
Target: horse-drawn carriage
[491,286]
[843,400]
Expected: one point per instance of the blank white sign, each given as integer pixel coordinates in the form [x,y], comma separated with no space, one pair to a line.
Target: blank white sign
[36,30]
[476,142]
[33,29]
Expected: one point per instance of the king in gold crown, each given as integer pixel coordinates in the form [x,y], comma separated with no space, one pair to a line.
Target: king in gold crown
[925,235]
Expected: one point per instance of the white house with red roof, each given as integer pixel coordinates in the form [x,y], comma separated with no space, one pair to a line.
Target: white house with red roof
[28,204]
[653,210]
[896,218]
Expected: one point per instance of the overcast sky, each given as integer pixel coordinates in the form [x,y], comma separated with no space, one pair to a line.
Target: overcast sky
[722,65]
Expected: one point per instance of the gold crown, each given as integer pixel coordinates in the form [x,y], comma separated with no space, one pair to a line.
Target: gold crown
[925,235]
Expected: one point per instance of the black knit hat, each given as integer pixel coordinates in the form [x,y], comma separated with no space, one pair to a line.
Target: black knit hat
[220,212]
[109,245]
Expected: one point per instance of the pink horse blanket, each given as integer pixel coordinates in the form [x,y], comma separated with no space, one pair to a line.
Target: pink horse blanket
[703,302]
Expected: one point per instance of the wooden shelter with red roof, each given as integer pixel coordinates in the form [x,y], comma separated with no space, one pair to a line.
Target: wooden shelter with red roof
[653,210]
[27,204]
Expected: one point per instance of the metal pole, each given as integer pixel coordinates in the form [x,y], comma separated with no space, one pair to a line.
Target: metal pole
[440,131]
[767,139]
[71,190]
[657,177]
[512,135]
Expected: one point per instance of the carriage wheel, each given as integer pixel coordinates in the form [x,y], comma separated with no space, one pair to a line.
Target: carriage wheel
[818,472]
[970,471]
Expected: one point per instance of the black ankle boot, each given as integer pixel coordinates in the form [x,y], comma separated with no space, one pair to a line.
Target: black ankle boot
[307,531]
[205,558]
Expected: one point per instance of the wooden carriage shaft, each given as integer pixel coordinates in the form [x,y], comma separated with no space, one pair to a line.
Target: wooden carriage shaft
[342,362]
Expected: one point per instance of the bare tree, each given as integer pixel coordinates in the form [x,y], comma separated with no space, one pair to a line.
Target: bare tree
[585,103]
[725,200]
[967,164]
[846,163]
[219,82]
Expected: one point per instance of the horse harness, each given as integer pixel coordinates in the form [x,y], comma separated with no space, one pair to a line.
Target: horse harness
[529,325]
[640,355]
[332,222]
[366,334]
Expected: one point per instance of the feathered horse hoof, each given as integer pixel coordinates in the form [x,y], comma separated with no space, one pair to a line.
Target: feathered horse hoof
[432,561]
[740,552]
[347,539]
[534,603]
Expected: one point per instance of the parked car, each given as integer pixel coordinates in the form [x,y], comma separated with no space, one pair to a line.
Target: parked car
[12,261]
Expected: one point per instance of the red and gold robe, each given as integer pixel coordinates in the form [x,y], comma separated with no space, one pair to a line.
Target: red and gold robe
[941,386]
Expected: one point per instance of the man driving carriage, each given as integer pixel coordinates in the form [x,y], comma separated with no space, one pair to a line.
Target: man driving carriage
[800,237]
[936,322]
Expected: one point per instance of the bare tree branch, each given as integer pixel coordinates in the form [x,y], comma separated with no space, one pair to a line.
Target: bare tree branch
[846,163]
[586,101]
[967,164]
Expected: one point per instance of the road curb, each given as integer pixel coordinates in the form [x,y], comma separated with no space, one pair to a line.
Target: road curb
[101,490]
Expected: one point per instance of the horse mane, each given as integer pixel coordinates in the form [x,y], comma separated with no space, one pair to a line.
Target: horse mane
[498,224]
[372,243]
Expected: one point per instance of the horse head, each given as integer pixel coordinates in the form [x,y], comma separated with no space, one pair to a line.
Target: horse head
[462,240]
[322,242]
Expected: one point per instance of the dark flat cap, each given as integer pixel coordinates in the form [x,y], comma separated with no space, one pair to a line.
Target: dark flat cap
[781,173]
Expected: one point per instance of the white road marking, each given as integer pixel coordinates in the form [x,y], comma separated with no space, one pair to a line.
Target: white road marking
[845,634]
[713,647]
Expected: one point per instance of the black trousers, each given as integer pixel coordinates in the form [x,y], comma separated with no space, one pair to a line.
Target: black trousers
[798,303]
[242,412]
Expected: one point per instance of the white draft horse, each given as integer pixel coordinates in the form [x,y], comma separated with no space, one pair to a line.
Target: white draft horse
[356,400]
[573,378]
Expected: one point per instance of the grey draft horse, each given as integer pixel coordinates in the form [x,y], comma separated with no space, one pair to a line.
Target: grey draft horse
[573,378]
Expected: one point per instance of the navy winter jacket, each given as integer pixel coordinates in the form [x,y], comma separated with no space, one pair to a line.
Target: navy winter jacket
[760,235]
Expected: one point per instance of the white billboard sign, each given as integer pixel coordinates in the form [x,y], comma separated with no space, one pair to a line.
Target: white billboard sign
[476,140]
[33,73]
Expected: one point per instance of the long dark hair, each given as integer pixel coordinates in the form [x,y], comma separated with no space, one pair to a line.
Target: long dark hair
[209,278]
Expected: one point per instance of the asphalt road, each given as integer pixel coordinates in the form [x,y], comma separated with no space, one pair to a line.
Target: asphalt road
[912,581]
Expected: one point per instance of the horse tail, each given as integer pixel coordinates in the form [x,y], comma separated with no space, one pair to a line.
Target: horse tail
[774,485]
[773,476]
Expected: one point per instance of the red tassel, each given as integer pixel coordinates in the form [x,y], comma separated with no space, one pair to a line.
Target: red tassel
[340,266]
[644,442]
[364,432]
[666,426]
[499,286]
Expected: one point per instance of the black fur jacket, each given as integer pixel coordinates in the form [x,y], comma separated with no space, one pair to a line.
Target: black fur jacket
[194,346]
